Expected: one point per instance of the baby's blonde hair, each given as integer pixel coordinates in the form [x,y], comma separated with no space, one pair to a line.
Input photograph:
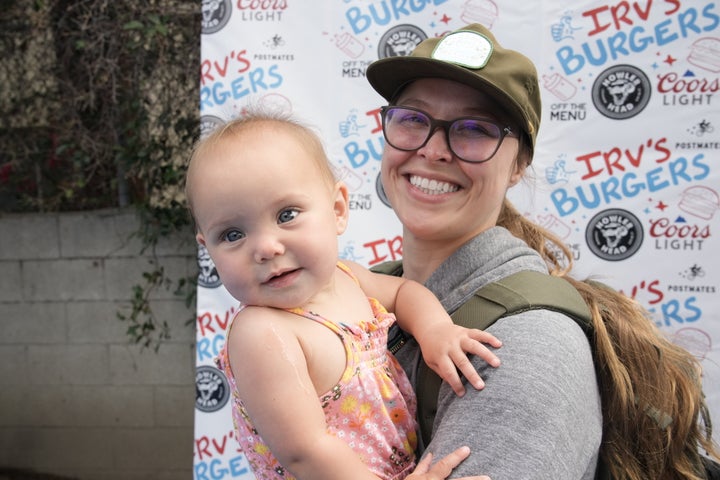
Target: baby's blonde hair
[254,119]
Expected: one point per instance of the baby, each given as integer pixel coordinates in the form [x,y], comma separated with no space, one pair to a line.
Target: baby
[316,394]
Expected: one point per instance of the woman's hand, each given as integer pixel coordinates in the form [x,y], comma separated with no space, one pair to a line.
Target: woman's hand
[443,468]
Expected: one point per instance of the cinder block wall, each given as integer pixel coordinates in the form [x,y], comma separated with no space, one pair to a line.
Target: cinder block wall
[76,397]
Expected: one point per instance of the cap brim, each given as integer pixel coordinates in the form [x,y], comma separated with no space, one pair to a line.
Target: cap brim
[389,75]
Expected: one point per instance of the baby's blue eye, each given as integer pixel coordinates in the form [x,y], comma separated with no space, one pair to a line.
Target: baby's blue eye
[287,215]
[232,235]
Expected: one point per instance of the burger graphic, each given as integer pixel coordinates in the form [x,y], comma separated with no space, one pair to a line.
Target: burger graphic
[700,201]
[479,11]
[705,53]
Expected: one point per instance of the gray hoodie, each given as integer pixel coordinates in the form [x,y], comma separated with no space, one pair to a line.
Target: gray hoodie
[539,415]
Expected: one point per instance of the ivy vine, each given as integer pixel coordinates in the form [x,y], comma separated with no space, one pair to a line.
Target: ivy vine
[100,109]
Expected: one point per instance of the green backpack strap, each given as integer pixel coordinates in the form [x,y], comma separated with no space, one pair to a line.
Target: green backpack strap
[520,292]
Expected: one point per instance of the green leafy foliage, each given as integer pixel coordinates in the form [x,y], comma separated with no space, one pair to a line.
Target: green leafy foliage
[99,109]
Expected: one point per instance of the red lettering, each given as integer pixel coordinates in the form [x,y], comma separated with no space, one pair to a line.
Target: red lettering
[612,159]
[208,69]
[664,227]
[376,257]
[375,114]
[203,444]
[204,323]
[675,4]
[619,14]
[615,158]
[622,13]
[201,447]
[672,83]
[651,288]
[206,72]
[660,147]
[224,323]
[394,246]
[220,448]
[594,14]
[587,159]
[262,4]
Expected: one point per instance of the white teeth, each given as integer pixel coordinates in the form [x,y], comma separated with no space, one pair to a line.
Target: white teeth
[432,187]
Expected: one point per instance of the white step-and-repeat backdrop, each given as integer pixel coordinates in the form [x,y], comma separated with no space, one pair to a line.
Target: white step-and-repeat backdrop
[627,170]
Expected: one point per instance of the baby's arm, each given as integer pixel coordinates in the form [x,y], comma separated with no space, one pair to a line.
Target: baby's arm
[444,345]
[272,377]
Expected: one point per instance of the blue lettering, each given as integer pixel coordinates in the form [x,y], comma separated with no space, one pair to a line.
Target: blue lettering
[569,60]
[610,189]
[638,43]
[561,200]
[630,190]
[653,182]
[216,471]
[712,16]
[237,89]
[207,348]
[617,45]
[359,157]
[671,312]
[385,12]
[697,162]
[690,305]
[661,31]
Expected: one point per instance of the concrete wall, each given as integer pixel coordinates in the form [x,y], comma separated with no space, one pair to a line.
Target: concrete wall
[76,397]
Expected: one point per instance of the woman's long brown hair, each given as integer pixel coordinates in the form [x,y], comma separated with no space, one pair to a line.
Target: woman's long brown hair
[655,419]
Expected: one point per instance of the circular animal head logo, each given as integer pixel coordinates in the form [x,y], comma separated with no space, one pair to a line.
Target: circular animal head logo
[381,191]
[621,92]
[211,389]
[208,123]
[614,234]
[207,276]
[400,41]
[215,15]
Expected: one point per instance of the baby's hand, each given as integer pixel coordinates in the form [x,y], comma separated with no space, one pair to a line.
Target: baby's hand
[445,347]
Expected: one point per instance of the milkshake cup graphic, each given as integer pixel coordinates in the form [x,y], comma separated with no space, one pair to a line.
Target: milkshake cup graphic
[349,44]
[559,86]
[353,181]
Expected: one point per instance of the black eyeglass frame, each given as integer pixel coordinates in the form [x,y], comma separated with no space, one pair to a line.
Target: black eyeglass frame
[445,125]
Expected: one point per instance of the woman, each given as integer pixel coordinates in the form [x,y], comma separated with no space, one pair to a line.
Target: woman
[460,130]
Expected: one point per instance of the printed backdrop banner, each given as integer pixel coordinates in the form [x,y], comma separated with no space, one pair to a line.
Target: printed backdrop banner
[626,169]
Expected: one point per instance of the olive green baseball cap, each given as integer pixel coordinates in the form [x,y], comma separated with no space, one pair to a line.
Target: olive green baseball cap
[470,55]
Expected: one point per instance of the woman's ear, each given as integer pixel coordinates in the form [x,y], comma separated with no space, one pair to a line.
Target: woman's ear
[341,206]
[522,161]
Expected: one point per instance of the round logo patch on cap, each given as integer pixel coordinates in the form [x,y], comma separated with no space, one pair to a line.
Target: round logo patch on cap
[464,48]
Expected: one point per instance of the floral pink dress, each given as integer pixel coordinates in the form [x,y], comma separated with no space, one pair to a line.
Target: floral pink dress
[372,407]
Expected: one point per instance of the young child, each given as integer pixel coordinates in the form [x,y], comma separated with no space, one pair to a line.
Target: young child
[316,394]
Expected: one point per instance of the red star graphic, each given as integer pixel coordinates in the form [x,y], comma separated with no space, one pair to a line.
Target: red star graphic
[670,60]
[661,206]
[445,19]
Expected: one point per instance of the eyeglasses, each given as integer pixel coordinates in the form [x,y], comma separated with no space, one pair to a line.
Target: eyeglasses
[471,139]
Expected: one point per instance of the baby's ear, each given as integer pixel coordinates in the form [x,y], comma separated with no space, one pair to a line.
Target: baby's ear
[341,206]
[200,238]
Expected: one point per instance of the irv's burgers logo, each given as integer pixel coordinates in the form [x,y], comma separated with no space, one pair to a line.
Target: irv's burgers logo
[621,92]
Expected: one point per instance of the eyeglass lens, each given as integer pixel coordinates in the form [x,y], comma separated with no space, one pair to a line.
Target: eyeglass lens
[471,139]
